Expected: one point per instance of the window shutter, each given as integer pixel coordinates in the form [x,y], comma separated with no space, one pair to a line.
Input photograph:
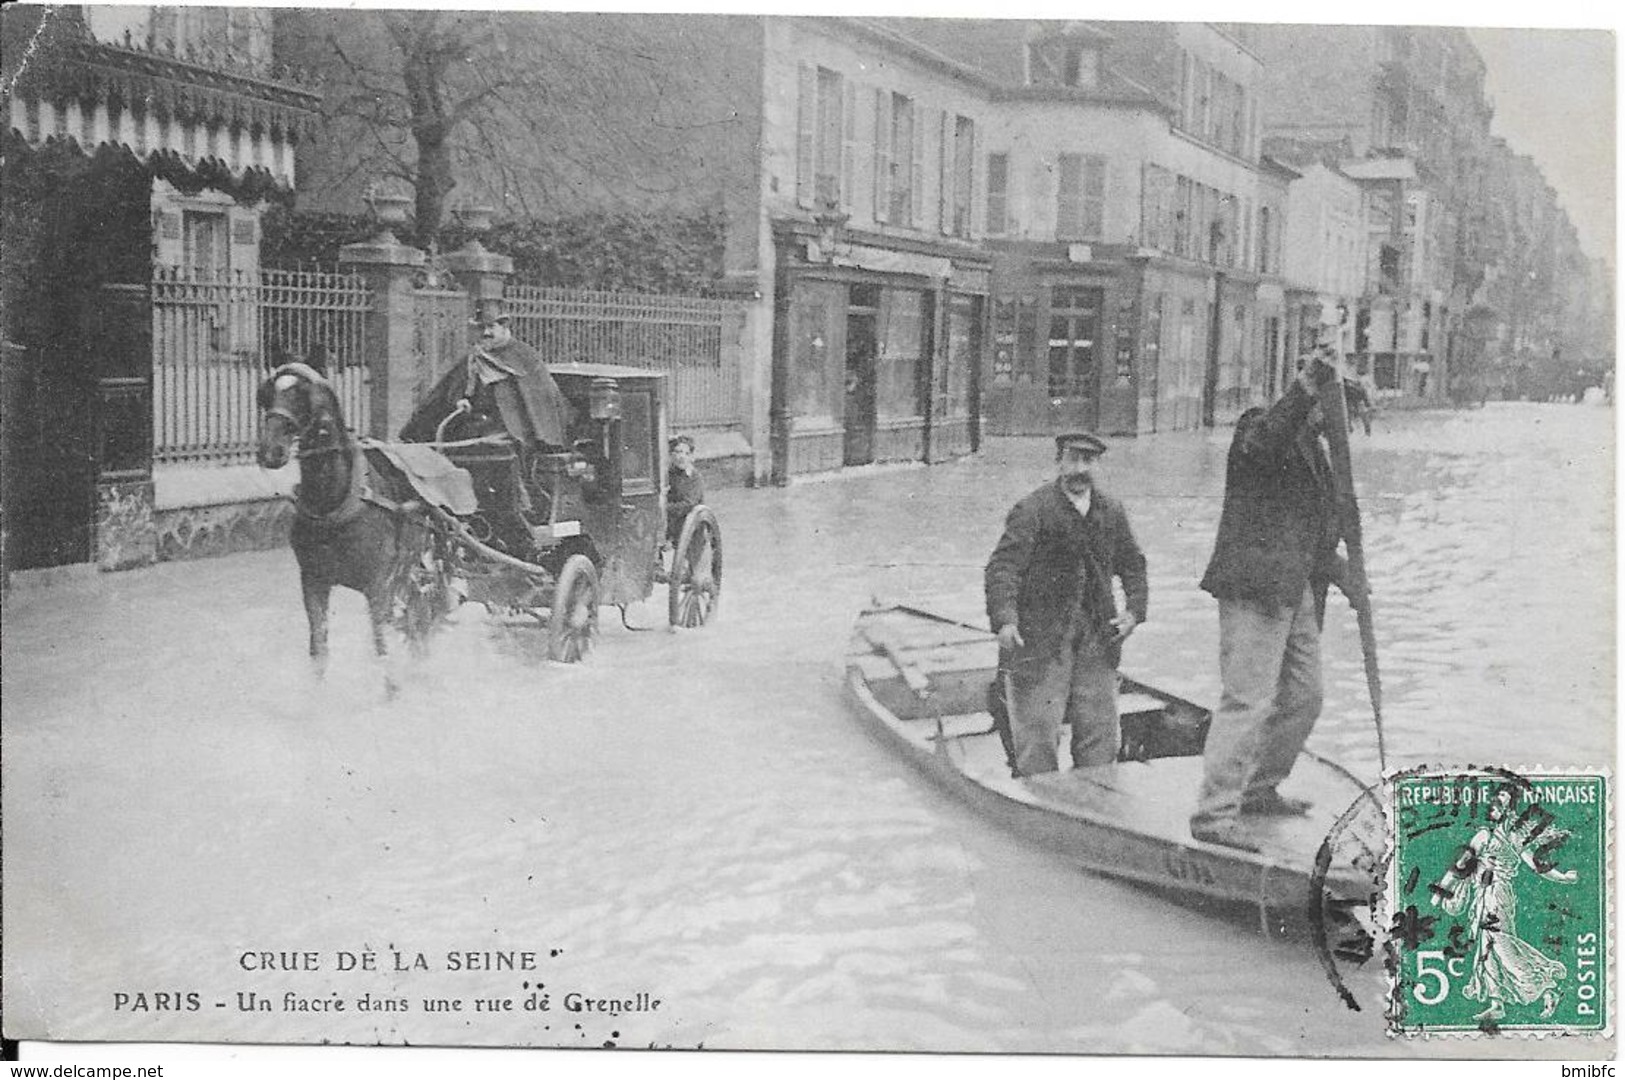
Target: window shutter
[806,143]
[916,194]
[882,155]
[969,199]
[1187,90]
[947,161]
[849,145]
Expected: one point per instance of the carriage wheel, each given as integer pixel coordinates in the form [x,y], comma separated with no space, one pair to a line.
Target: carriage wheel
[696,571]
[573,623]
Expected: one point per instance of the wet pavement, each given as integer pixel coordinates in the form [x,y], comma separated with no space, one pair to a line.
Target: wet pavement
[700,816]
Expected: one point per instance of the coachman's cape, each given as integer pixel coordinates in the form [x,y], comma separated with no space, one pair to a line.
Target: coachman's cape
[510,384]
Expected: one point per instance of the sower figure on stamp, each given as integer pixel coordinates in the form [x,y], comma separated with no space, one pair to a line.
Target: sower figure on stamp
[1050,600]
[1275,554]
[1482,883]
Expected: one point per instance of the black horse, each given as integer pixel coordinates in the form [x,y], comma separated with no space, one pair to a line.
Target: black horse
[339,537]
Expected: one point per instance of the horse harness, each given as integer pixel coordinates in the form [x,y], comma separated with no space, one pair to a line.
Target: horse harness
[359,493]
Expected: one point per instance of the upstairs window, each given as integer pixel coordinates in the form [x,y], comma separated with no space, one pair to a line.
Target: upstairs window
[998,194]
[898,148]
[1080,204]
[827,155]
[824,137]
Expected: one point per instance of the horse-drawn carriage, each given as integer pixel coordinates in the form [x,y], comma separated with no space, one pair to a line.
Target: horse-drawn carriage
[551,520]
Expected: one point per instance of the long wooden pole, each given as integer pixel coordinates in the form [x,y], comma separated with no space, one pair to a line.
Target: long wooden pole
[1334,405]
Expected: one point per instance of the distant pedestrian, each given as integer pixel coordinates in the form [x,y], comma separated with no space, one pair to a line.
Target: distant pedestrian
[1050,600]
[1275,554]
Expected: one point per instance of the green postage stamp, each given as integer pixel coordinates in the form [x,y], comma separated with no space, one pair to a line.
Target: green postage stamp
[1498,902]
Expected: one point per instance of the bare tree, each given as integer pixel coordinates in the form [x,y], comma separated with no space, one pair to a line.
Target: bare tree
[537,113]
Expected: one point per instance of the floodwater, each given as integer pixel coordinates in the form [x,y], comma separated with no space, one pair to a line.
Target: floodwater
[700,817]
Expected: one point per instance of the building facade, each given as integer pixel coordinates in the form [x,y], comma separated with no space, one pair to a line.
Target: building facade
[878,288]
[136,136]
[1404,112]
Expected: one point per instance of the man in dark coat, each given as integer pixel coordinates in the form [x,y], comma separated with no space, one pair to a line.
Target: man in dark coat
[1275,554]
[506,384]
[1050,600]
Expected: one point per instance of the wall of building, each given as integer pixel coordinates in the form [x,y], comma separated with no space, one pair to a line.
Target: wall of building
[1035,134]
[1325,237]
[796,48]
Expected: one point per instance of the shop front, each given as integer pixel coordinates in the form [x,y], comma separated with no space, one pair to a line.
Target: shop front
[1065,342]
[876,353]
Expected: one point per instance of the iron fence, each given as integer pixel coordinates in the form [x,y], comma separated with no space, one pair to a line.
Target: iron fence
[440,334]
[685,336]
[216,335]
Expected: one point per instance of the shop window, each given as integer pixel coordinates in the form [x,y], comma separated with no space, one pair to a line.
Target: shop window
[811,390]
[902,353]
[964,320]
[1004,340]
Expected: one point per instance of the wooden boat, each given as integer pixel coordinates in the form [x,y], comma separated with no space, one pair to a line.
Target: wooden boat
[925,680]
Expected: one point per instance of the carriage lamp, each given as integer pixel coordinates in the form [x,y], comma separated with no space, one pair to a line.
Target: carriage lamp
[604,399]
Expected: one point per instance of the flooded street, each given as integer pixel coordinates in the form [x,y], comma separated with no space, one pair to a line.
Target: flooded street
[701,817]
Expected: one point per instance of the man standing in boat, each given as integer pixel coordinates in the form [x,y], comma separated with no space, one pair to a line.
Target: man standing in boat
[1050,600]
[1275,554]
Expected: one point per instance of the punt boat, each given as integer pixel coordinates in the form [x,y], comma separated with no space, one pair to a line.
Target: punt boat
[927,682]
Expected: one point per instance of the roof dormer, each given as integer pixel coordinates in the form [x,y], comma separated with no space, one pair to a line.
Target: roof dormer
[1067,57]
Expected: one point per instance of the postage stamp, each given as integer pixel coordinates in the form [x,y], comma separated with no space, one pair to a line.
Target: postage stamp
[1498,902]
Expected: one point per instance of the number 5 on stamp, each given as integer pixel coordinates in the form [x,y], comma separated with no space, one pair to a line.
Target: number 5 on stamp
[1498,900]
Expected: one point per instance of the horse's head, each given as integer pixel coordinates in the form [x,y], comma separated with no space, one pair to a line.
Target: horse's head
[296,404]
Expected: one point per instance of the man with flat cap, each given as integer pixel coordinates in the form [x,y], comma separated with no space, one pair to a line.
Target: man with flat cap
[1051,602]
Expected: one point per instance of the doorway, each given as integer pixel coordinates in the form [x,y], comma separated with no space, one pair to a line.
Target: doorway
[1074,357]
[862,350]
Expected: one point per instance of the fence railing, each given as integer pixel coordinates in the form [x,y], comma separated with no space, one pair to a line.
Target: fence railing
[216,335]
[686,336]
[440,335]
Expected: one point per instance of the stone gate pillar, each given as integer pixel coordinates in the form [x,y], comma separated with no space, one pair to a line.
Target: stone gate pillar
[390,268]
